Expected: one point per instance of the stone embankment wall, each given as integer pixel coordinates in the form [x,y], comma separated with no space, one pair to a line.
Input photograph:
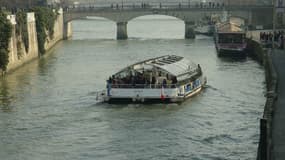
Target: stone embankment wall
[264,57]
[255,50]
[16,61]
[58,31]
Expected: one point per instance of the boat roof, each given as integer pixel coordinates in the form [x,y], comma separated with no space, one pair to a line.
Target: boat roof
[229,27]
[175,65]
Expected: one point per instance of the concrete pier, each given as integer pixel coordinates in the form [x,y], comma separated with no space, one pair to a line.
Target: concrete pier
[67,30]
[189,30]
[122,32]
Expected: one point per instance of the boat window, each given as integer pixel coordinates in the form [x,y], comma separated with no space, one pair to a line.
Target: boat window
[231,38]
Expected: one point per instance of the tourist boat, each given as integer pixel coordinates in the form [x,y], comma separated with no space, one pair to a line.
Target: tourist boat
[167,78]
[230,39]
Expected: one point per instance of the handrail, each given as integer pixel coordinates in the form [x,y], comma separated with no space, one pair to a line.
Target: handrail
[158,5]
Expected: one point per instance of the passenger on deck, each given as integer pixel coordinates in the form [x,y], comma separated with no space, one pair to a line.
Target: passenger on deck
[174,81]
[110,80]
[164,83]
[132,80]
[153,81]
[199,69]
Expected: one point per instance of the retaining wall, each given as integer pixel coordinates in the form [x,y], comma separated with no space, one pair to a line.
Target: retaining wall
[264,57]
[16,60]
[58,31]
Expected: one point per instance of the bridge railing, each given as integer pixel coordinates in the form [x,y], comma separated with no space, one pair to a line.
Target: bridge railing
[158,5]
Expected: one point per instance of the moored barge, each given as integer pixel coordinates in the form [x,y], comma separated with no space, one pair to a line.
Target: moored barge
[230,40]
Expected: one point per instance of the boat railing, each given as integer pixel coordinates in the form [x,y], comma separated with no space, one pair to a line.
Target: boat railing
[146,86]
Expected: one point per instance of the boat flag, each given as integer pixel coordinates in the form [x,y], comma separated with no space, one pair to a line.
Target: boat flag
[162,93]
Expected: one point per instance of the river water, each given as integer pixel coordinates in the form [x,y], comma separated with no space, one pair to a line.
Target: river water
[48,108]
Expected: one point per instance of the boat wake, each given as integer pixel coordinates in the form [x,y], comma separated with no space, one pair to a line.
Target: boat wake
[210,87]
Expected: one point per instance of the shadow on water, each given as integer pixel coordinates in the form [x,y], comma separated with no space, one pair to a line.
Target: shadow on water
[233,59]
[148,105]
[207,86]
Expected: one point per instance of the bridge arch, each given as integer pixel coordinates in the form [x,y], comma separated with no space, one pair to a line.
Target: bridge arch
[69,18]
[189,19]
[155,26]
[94,28]
[154,14]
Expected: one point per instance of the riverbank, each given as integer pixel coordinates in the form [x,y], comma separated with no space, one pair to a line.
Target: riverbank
[278,128]
[272,137]
[33,40]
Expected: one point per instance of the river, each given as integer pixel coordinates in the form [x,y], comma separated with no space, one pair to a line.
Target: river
[48,108]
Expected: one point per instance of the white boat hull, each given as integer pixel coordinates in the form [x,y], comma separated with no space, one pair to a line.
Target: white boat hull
[144,95]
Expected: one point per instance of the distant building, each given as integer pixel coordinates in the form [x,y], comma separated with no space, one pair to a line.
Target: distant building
[237,2]
[10,4]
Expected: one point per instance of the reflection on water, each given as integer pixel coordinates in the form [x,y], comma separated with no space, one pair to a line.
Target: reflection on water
[5,98]
[48,108]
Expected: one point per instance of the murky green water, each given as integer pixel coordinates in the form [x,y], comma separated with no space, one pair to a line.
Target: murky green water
[48,109]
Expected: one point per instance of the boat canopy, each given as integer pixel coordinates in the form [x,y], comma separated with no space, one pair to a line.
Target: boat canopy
[174,65]
[229,27]
[178,68]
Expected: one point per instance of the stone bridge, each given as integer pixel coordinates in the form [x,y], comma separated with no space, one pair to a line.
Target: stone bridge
[122,13]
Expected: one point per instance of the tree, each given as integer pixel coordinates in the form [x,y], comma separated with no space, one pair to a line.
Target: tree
[5,35]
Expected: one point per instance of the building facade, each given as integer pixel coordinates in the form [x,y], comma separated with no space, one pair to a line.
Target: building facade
[11,4]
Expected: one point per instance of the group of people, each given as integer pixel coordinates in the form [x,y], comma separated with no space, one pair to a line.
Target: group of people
[143,5]
[277,36]
[142,80]
[210,5]
[145,79]
[180,5]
